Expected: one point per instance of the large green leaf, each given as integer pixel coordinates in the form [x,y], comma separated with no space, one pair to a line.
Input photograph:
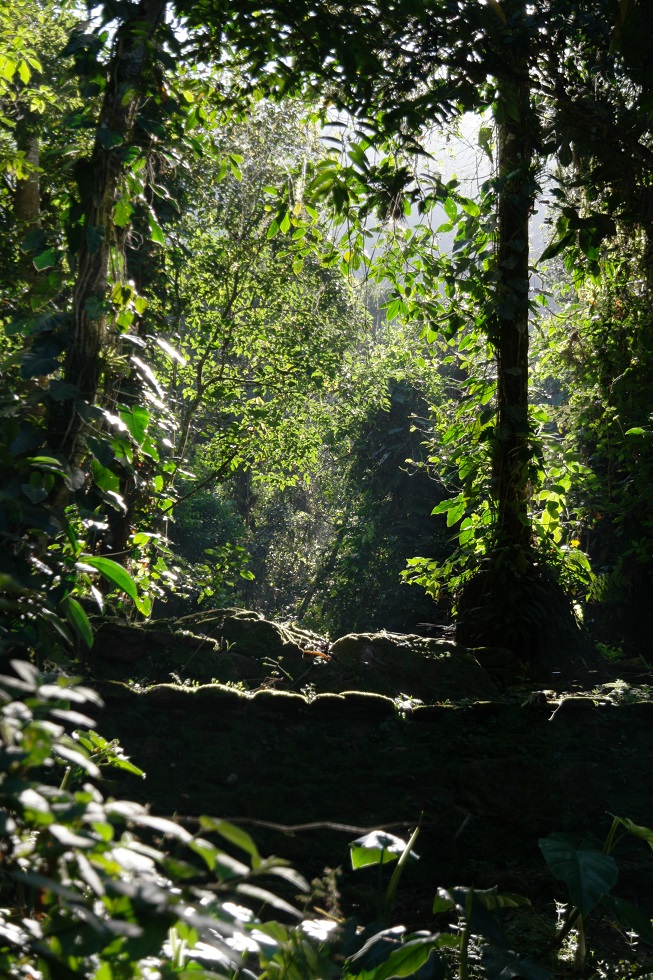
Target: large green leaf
[557,246]
[588,874]
[137,420]
[156,231]
[77,617]
[235,835]
[453,503]
[377,847]
[407,960]
[454,514]
[630,916]
[114,573]
[375,950]
[46,259]
[644,833]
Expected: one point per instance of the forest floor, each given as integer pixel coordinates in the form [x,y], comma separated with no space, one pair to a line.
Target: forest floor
[308,773]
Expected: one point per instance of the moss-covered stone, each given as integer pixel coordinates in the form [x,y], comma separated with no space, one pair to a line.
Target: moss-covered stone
[396,664]
[235,646]
[241,648]
[487,779]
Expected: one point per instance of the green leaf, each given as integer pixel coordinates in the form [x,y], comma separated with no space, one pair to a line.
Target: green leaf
[137,420]
[450,209]
[156,231]
[485,136]
[447,505]
[77,617]
[588,874]
[630,916]
[45,259]
[114,573]
[471,208]
[644,833]
[377,847]
[637,431]
[66,836]
[164,826]
[555,247]
[76,758]
[96,307]
[235,835]
[375,951]
[493,899]
[144,605]
[454,514]
[34,494]
[122,212]
[408,959]
[24,72]
[540,414]
[476,907]
[267,898]
[206,850]
[34,240]
[7,67]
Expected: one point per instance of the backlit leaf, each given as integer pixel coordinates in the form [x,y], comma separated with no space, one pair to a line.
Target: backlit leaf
[114,573]
[77,617]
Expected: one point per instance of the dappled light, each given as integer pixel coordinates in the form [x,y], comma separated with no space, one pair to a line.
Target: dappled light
[326,444]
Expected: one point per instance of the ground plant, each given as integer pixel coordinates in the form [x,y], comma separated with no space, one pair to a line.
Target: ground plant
[98,887]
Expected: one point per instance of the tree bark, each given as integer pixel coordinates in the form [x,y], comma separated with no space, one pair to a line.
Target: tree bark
[511,449]
[27,195]
[98,181]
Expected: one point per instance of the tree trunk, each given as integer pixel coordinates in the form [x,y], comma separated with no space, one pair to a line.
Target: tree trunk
[98,181]
[514,600]
[509,335]
[27,195]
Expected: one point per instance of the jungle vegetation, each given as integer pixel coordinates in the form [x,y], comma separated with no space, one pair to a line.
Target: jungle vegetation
[227,306]
[257,350]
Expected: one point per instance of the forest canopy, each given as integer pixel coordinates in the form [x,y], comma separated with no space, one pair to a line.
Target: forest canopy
[259,350]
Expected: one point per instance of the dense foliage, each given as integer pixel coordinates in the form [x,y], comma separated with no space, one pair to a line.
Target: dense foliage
[258,350]
[98,887]
[188,323]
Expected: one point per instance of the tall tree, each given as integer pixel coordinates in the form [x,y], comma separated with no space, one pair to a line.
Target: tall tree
[400,68]
[131,81]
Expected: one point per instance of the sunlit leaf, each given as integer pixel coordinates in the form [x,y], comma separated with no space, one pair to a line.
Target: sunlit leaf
[235,835]
[114,573]
[76,758]
[77,617]
[644,833]
[156,231]
[66,836]
[377,847]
